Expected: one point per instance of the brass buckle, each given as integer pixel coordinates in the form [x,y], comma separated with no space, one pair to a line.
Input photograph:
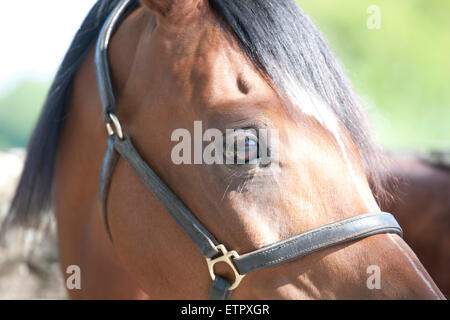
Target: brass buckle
[117,127]
[226,257]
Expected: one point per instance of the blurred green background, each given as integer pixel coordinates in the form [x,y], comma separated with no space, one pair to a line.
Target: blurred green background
[401,71]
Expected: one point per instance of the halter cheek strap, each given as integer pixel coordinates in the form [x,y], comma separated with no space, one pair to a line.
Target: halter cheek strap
[109,165]
[120,146]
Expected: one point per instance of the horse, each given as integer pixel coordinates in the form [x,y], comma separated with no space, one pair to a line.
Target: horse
[419,185]
[158,66]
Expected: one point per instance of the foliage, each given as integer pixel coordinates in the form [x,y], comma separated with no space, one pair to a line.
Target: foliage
[401,71]
[19,110]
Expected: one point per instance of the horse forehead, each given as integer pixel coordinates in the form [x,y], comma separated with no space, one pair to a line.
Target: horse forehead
[211,66]
[215,73]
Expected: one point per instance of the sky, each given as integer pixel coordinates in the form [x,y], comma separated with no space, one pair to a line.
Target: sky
[35,35]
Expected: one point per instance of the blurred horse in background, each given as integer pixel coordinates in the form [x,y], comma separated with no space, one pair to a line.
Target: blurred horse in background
[420,199]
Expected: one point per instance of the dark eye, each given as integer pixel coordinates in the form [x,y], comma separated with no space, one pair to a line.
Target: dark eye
[241,147]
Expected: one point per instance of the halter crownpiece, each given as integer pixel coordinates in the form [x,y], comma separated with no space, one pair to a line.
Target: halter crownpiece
[120,145]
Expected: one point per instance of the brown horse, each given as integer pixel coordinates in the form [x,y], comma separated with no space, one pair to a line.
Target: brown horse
[230,64]
[421,203]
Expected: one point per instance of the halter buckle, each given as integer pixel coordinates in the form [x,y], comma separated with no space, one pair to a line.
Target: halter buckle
[226,257]
[116,124]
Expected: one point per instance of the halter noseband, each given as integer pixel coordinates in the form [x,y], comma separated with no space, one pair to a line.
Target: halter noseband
[120,145]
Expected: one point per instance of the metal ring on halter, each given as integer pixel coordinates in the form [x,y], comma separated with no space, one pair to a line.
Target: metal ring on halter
[117,127]
[226,257]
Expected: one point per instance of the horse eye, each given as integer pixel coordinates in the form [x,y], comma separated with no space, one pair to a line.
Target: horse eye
[242,147]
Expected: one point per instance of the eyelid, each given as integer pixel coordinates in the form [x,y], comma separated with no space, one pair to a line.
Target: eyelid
[256,123]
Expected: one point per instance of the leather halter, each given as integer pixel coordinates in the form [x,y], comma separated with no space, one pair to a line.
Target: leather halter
[120,145]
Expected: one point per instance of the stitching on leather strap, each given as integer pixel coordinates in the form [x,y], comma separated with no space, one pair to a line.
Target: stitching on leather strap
[312,232]
[299,253]
[322,245]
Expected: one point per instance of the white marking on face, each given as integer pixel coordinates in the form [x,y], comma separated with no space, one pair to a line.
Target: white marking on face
[313,106]
[416,268]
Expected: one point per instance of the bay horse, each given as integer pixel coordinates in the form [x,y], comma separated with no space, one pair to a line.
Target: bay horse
[241,64]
